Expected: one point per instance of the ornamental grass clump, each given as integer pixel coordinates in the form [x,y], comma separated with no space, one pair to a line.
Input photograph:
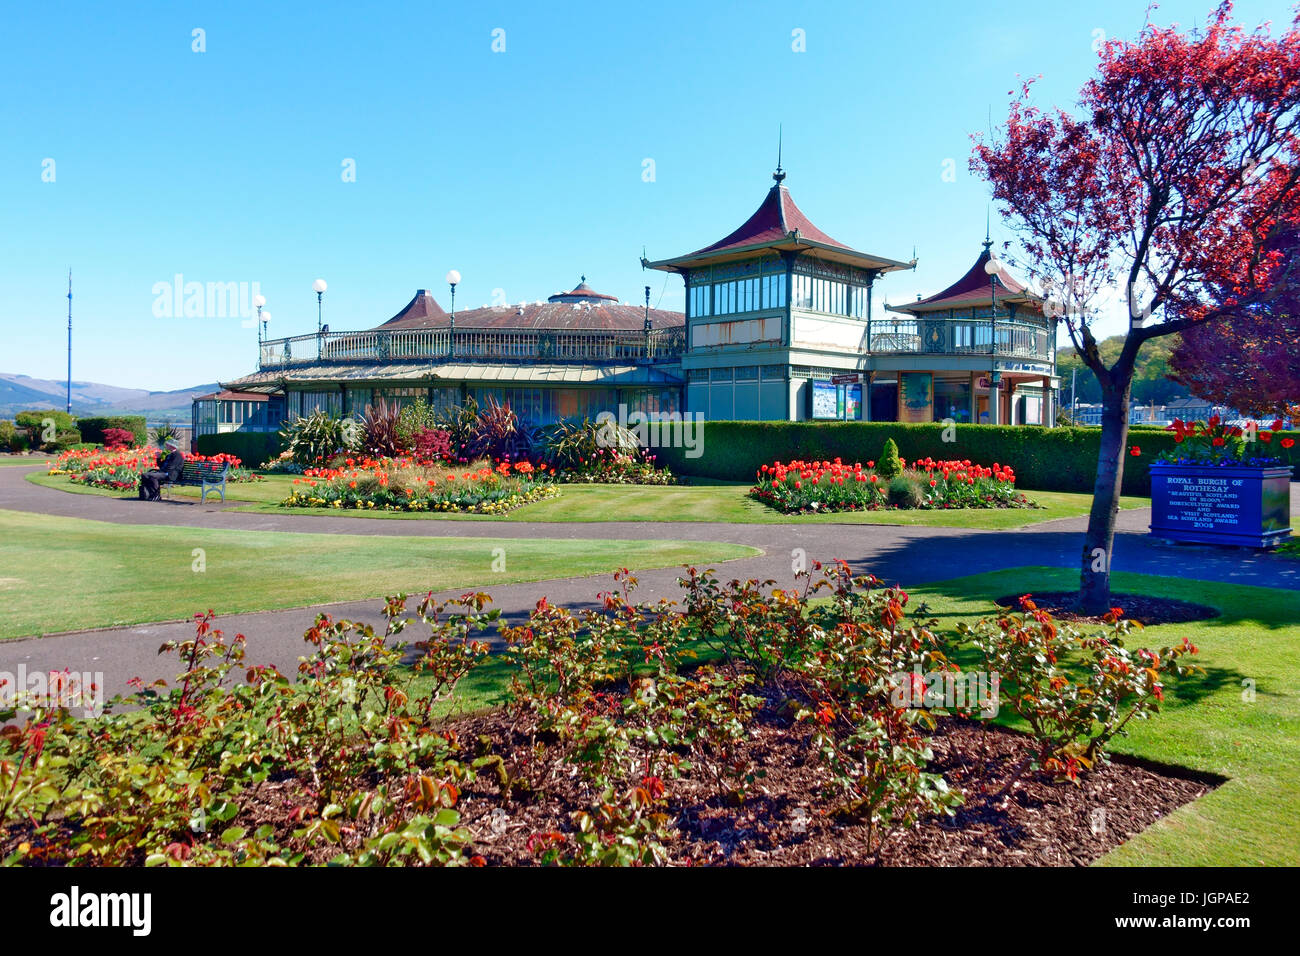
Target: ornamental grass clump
[601,452]
[314,439]
[904,492]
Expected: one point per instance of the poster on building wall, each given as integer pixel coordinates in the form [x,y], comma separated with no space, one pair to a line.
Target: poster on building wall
[825,400]
[853,402]
[915,397]
[831,401]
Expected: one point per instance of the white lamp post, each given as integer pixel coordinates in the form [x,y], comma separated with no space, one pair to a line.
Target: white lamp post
[992,267]
[453,279]
[319,287]
[258,302]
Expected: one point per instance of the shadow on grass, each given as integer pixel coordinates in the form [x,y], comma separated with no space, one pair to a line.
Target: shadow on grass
[1192,690]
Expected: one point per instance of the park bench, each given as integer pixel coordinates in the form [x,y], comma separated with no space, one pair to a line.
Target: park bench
[204,475]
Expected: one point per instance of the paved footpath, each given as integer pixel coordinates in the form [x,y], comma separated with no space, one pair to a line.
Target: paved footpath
[906,555]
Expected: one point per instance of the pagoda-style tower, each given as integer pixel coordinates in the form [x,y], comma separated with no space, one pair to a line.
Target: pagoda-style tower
[772,308]
[991,327]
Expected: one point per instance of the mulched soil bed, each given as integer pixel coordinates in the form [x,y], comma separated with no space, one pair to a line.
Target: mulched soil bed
[1041,822]
[1148,611]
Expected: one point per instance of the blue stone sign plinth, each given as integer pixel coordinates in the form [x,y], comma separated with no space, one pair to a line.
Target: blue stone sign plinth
[1211,504]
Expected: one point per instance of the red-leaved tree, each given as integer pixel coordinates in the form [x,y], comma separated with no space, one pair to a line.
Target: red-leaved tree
[1249,360]
[1172,180]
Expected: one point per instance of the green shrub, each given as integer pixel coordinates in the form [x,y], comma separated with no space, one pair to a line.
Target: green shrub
[904,493]
[92,428]
[1051,459]
[253,448]
[34,424]
[889,465]
[12,438]
[415,417]
[67,439]
[35,418]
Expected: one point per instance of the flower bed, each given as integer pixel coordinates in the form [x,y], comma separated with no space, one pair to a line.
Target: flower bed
[403,484]
[815,737]
[1215,443]
[1221,485]
[805,487]
[608,466]
[121,468]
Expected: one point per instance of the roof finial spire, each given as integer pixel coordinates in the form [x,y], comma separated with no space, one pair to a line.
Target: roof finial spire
[988,221]
[779,175]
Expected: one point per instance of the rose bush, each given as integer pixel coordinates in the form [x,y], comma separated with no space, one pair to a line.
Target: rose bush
[1076,691]
[611,735]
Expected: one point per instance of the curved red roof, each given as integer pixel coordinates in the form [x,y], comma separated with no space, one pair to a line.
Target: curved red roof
[582,293]
[774,219]
[780,226]
[423,307]
[971,289]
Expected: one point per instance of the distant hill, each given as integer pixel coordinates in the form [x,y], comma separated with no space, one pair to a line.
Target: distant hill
[18,392]
[1150,374]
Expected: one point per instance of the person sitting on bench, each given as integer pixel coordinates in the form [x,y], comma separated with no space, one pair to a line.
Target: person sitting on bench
[169,470]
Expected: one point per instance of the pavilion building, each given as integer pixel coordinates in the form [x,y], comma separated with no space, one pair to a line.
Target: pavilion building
[578,353]
[772,308]
[778,326]
[986,344]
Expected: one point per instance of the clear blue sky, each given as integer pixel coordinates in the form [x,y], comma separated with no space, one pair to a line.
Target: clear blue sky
[522,168]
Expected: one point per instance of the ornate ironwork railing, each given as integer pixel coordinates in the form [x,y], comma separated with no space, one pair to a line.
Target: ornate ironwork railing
[595,346]
[1015,339]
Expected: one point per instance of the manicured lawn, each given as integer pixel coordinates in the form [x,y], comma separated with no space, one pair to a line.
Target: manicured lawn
[726,503]
[21,460]
[59,574]
[731,503]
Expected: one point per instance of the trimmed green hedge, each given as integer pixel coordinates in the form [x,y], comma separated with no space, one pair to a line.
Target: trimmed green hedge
[253,448]
[92,428]
[32,423]
[1044,459]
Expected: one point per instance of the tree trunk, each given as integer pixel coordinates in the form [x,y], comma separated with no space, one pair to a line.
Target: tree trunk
[1098,542]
